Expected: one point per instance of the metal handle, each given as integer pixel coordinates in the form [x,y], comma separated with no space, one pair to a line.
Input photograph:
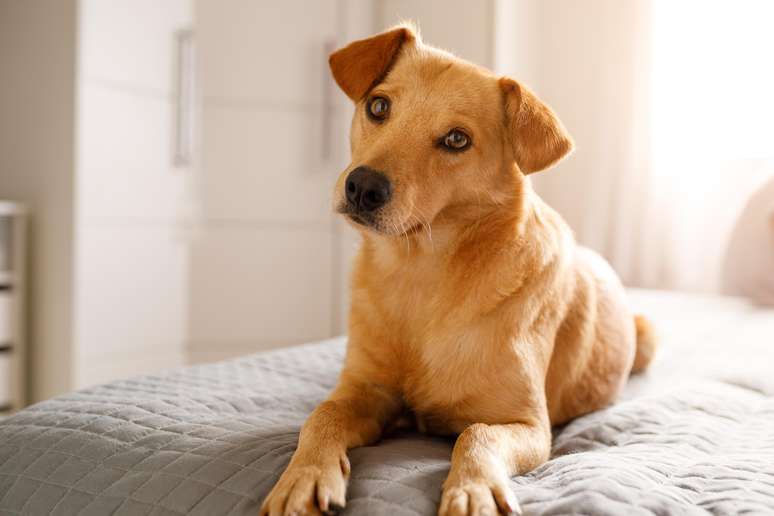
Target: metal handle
[184,114]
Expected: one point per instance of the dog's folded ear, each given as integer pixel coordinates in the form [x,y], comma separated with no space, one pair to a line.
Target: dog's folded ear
[361,65]
[538,137]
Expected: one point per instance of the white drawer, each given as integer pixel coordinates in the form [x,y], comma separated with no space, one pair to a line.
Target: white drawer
[5,378]
[5,318]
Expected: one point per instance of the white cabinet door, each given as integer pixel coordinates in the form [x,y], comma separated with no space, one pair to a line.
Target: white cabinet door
[127,83]
[131,264]
[264,77]
[264,270]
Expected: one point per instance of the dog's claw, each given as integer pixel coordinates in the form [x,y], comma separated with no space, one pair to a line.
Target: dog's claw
[472,497]
[311,489]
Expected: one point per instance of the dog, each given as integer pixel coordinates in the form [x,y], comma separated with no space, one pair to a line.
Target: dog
[473,309]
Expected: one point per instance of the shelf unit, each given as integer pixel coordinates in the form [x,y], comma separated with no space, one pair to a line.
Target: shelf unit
[12,287]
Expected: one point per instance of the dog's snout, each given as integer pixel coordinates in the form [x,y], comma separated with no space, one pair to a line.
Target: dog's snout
[367,189]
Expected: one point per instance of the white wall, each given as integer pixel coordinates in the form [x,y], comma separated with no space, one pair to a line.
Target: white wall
[462,27]
[516,50]
[37,111]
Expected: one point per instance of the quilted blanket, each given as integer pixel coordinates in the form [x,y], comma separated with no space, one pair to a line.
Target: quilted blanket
[694,435]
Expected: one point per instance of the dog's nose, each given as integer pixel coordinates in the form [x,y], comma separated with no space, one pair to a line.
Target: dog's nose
[367,189]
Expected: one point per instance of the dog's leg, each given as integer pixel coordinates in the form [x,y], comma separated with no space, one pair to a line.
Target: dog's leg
[315,481]
[484,458]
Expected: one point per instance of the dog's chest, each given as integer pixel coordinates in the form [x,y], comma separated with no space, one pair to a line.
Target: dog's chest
[457,365]
[413,298]
[460,377]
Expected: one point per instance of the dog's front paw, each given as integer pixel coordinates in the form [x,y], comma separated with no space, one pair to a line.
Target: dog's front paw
[309,489]
[471,497]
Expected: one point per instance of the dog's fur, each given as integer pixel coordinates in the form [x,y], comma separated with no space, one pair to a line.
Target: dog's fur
[473,310]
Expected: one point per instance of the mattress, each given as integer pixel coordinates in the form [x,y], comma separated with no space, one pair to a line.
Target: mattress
[694,435]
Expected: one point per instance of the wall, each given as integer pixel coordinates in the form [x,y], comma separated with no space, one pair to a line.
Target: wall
[462,27]
[516,32]
[37,102]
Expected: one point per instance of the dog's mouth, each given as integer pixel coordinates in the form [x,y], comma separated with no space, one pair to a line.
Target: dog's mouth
[363,221]
[361,218]
[374,223]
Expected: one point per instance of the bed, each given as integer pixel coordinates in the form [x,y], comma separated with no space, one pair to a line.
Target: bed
[694,435]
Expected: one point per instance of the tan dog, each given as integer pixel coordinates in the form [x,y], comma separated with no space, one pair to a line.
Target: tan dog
[472,307]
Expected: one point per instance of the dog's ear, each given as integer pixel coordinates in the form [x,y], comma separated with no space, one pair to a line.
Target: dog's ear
[538,137]
[359,66]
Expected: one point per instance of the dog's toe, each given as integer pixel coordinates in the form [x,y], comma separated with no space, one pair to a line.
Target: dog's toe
[307,490]
[478,499]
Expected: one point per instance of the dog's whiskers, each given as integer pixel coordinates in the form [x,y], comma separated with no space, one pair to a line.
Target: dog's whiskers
[480,209]
[422,219]
[403,231]
[400,231]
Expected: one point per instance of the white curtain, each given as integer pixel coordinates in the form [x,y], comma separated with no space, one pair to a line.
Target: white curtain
[671,106]
[713,125]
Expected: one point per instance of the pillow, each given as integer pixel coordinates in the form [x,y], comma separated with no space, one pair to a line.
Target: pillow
[748,269]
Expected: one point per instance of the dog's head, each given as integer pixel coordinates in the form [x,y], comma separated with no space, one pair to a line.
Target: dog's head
[433,135]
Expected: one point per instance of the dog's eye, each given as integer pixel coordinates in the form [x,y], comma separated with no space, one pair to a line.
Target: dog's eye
[378,108]
[456,140]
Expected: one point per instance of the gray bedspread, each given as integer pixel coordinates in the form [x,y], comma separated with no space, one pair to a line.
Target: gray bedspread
[694,435]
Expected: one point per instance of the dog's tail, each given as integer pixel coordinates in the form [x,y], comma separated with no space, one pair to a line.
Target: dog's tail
[647,343]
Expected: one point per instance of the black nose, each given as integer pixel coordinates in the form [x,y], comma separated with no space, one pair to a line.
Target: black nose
[367,189]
